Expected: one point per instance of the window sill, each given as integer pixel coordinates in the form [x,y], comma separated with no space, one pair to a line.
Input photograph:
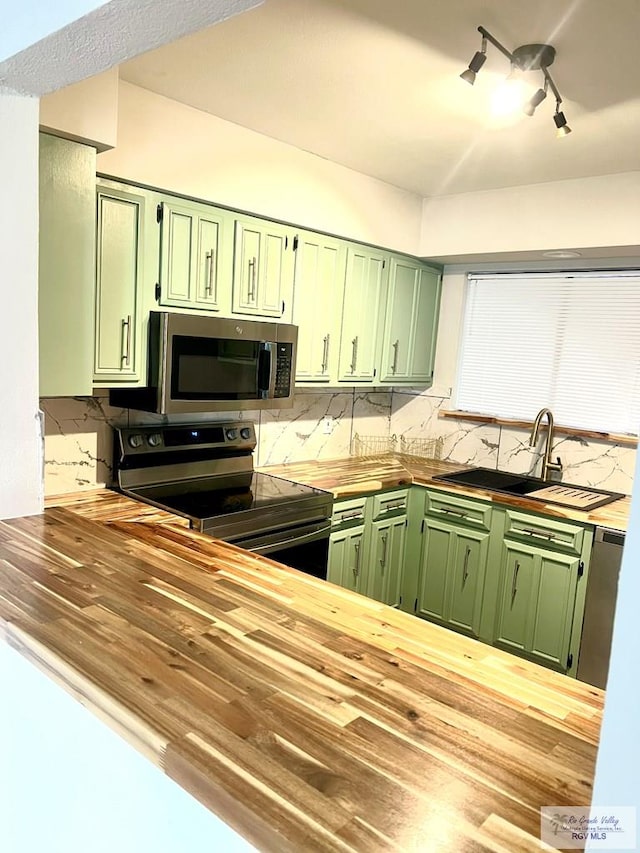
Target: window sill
[624,439]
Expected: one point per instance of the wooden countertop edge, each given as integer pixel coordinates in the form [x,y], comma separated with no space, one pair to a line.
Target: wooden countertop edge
[138,734]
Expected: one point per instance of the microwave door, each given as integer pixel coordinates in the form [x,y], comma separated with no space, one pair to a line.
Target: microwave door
[266,371]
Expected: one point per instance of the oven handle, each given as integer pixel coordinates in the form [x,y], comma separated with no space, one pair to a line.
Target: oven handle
[278,544]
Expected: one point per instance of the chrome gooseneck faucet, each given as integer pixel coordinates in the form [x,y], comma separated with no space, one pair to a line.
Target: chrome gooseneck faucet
[547,464]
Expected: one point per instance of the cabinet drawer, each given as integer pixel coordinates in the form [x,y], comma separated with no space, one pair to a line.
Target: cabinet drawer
[349,512]
[458,510]
[391,503]
[543,532]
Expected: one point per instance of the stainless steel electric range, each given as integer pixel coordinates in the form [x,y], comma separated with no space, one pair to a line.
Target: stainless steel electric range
[205,473]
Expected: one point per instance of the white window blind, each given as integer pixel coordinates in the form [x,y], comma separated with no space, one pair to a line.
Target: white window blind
[568,341]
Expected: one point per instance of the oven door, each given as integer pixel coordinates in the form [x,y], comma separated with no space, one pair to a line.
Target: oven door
[305,547]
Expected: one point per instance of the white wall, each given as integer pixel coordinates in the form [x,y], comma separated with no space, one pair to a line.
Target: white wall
[587,212]
[86,111]
[617,781]
[20,449]
[68,784]
[171,146]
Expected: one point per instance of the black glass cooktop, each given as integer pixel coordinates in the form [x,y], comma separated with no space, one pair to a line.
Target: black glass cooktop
[224,495]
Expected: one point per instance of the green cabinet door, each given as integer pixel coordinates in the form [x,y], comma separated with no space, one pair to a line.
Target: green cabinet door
[426,314]
[346,559]
[195,255]
[118,274]
[437,547]
[386,559]
[317,305]
[410,322]
[365,283]
[66,267]
[263,269]
[466,577]
[537,594]
[451,575]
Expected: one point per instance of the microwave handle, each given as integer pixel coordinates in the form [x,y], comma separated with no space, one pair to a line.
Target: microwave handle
[267,370]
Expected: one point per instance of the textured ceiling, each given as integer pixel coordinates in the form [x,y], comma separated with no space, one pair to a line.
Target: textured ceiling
[105,37]
[374,86]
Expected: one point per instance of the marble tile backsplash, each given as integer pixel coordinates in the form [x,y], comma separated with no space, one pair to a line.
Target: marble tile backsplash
[586,462]
[321,425]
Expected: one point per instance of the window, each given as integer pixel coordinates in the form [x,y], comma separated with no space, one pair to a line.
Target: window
[569,341]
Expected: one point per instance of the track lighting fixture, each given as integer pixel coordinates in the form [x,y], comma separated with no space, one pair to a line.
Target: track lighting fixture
[528,57]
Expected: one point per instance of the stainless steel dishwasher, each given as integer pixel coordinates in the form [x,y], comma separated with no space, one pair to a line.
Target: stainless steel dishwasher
[600,605]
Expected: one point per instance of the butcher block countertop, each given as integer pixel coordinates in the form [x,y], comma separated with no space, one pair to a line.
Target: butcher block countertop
[352,476]
[307,717]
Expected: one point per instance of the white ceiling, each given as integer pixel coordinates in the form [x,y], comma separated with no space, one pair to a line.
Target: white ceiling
[374,85]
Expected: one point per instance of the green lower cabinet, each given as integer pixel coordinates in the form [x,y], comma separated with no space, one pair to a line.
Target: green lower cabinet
[386,559]
[367,546]
[346,562]
[452,570]
[537,592]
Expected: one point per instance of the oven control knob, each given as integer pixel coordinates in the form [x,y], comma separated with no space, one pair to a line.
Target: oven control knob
[135,440]
[245,433]
[155,439]
[232,434]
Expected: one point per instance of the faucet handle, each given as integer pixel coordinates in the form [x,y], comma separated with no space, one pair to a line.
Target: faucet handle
[555,466]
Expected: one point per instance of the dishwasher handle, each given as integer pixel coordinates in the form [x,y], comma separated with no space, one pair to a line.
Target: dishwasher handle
[610,537]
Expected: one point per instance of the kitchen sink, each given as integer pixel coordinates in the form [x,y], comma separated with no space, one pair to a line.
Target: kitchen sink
[563,494]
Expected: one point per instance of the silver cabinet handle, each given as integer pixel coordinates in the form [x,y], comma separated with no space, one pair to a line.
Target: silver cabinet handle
[396,505]
[209,287]
[514,584]
[356,565]
[455,512]
[394,366]
[541,534]
[125,348]
[465,565]
[251,290]
[346,516]
[383,559]
[325,353]
[354,354]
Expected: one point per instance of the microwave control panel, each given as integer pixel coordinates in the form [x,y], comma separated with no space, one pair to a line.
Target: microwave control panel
[284,359]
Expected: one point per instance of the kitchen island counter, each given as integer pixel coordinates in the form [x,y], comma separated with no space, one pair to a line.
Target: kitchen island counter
[305,716]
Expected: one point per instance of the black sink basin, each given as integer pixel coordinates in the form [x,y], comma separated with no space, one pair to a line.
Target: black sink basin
[495,481]
[564,494]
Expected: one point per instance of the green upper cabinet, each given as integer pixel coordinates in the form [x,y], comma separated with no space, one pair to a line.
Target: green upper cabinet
[196,251]
[263,268]
[119,264]
[365,284]
[410,323]
[66,267]
[317,305]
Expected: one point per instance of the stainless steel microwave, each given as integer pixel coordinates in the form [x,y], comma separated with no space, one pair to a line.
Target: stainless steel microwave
[209,364]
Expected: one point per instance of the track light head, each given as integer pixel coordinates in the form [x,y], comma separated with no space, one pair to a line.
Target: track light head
[534,101]
[563,128]
[479,58]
